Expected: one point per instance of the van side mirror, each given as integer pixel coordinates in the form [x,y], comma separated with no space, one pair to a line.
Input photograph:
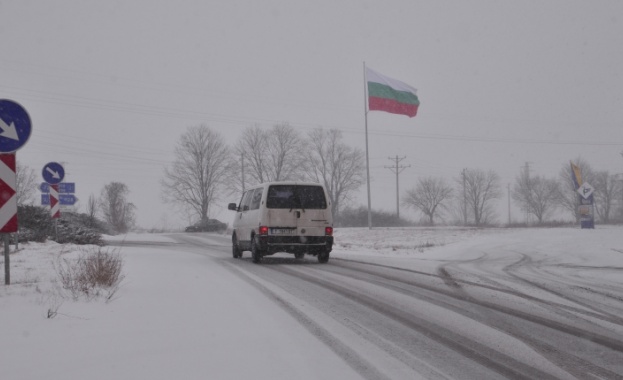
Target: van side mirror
[232,206]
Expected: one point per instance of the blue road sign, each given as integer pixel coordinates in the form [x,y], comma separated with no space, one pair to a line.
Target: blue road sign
[63,199]
[53,173]
[63,187]
[15,126]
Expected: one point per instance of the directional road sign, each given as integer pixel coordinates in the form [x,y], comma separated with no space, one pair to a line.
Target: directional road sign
[15,126]
[53,173]
[63,187]
[586,190]
[63,199]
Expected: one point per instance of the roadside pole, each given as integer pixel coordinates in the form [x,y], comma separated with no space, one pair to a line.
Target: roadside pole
[7,264]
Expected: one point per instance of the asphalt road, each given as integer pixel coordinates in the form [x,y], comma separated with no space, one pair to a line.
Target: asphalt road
[503,315]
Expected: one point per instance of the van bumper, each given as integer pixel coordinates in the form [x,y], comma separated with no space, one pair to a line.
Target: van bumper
[295,244]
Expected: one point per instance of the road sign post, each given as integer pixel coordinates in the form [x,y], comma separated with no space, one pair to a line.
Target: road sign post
[586,207]
[15,129]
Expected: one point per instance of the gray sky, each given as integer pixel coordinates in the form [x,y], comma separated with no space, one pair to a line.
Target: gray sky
[111,85]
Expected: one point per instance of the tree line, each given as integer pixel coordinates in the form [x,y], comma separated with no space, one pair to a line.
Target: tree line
[205,169]
[470,199]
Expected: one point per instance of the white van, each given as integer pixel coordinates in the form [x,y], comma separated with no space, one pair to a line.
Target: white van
[292,217]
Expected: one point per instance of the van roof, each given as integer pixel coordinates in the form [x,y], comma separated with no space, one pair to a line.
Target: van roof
[286,183]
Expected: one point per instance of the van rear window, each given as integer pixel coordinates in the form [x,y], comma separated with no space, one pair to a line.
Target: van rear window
[296,196]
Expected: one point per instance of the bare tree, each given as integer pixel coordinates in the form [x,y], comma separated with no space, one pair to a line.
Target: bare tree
[536,195]
[114,205]
[271,155]
[481,188]
[91,210]
[607,189]
[26,184]
[200,172]
[569,198]
[339,167]
[429,196]
[253,149]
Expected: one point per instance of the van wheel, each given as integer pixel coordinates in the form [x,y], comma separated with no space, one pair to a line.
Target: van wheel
[256,253]
[299,255]
[323,256]
[235,249]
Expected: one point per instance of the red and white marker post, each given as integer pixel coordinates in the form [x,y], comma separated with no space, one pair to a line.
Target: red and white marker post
[8,205]
[8,194]
[55,207]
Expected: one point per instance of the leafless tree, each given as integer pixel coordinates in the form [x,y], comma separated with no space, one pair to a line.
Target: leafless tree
[339,167]
[536,195]
[116,210]
[569,198]
[429,196]
[607,190]
[271,155]
[200,172]
[481,188]
[91,210]
[26,184]
[252,147]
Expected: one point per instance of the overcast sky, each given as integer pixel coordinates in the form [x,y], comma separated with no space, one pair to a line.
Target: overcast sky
[111,85]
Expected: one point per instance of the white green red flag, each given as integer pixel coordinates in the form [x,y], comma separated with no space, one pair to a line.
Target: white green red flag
[390,95]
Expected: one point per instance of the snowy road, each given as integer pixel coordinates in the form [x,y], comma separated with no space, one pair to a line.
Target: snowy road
[418,303]
[501,310]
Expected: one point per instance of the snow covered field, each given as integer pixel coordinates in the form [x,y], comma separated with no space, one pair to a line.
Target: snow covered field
[179,315]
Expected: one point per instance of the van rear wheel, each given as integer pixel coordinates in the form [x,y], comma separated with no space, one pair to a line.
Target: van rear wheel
[323,256]
[256,253]
[235,249]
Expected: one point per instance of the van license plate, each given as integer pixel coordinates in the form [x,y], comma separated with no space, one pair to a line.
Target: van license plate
[283,231]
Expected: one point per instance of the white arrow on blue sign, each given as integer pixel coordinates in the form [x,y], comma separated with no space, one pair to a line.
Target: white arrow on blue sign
[63,199]
[53,173]
[15,126]
[63,187]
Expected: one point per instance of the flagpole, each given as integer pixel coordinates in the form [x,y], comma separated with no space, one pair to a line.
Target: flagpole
[365,107]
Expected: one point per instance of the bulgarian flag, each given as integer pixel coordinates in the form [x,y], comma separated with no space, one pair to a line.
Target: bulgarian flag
[391,95]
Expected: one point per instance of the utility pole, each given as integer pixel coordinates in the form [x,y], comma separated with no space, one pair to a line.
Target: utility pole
[242,170]
[464,199]
[508,187]
[529,184]
[622,191]
[397,169]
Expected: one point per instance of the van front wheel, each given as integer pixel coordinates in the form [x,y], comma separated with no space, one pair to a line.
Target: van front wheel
[256,253]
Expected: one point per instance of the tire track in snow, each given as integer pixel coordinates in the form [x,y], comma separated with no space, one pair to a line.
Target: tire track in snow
[573,364]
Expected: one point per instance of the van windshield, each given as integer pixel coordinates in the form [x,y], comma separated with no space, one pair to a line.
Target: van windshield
[296,196]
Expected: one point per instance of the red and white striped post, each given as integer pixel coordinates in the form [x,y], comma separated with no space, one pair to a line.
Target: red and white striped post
[8,206]
[55,207]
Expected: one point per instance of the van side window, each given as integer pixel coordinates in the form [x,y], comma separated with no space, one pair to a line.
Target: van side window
[256,199]
[244,203]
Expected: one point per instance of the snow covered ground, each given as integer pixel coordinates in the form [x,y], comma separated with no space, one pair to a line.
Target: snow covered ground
[178,315]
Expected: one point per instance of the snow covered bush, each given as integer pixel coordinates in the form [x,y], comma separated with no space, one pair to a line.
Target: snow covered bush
[35,224]
[95,272]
